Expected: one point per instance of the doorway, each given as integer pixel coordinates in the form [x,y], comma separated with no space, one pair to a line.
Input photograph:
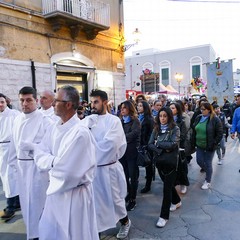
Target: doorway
[77,80]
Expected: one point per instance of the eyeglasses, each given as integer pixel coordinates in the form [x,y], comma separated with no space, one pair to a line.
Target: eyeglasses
[203,109]
[57,100]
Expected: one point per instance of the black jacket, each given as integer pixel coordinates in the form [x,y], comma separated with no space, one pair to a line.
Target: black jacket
[214,132]
[146,130]
[132,132]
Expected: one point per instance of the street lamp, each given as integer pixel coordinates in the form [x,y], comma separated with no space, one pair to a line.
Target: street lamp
[136,38]
[179,78]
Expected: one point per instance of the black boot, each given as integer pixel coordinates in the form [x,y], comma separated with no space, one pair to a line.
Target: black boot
[147,187]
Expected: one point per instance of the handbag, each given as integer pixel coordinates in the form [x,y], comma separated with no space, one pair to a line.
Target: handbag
[167,158]
[143,159]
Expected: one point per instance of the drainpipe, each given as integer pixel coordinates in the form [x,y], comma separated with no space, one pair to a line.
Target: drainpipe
[33,75]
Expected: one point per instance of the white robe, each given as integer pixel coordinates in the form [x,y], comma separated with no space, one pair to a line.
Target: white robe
[50,113]
[68,153]
[110,187]
[6,124]
[32,183]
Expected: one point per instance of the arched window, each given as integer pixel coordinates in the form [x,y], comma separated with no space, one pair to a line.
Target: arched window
[147,65]
[164,72]
[196,67]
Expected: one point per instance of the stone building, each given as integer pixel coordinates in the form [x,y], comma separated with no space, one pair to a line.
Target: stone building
[49,43]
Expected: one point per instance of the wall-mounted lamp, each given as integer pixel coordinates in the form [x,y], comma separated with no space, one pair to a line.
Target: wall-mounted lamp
[136,38]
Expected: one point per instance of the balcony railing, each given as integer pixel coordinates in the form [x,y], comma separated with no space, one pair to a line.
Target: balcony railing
[91,14]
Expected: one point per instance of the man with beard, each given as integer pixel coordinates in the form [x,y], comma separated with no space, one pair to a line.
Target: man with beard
[110,184]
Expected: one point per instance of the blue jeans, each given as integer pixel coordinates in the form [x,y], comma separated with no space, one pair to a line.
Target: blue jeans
[222,147]
[204,160]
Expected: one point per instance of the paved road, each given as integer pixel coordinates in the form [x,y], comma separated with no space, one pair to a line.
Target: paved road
[205,214]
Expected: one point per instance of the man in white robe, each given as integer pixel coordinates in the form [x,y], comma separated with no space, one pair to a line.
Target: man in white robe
[67,152]
[46,100]
[110,184]
[7,117]
[30,125]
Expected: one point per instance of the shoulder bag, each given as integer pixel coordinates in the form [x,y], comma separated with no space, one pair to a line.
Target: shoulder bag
[143,159]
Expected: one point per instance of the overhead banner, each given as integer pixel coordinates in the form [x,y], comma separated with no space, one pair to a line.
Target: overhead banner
[220,84]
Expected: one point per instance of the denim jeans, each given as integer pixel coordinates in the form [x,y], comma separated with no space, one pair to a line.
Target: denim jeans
[222,147]
[204,160]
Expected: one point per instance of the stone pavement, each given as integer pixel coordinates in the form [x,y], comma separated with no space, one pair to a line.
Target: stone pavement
[204,215]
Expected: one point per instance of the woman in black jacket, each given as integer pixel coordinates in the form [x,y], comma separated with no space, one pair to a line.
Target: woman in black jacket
[207,134]
[132,129]
[146,120]
[165,139]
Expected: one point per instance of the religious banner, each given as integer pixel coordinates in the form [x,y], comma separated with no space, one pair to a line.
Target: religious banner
[220,84]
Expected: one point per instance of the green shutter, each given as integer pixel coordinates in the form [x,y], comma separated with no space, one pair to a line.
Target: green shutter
[196,71]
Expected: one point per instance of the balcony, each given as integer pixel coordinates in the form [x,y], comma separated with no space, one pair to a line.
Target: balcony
[89,16]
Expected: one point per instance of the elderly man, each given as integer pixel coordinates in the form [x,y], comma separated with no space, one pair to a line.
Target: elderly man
[7,117]
[110,184]
[30,125]
[67,152]
[46,100]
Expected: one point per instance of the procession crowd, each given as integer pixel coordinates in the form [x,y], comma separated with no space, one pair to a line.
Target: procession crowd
[73,167]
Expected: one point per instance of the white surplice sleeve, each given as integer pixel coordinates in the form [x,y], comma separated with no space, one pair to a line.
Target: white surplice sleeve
[70,168]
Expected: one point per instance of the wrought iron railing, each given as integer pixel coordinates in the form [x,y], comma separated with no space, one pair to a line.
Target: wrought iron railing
[88,10]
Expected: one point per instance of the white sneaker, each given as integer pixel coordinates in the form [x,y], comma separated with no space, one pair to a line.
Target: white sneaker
[219,162]
[175,206]
[124,230]
[183,189]
[206,185]
[161,222]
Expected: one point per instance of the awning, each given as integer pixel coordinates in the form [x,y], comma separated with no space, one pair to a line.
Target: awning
[73,68]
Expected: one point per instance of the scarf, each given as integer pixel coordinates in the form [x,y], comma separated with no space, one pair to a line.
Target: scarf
[204,118]
[175,118]
[164,127]
[154,112]
[126,119]
[141,117]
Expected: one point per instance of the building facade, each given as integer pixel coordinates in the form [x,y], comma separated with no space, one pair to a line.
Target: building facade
[163,66]
[49,43]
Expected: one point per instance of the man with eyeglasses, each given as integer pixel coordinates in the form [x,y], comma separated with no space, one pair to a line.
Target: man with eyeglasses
[31,184]
[67,153]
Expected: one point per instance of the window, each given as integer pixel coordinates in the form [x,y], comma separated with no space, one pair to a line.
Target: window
[165,76]
[147,65]
[196,71]
[165,72]
[196,67]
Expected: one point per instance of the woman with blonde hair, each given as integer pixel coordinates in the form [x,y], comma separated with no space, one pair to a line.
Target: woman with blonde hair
[207,134]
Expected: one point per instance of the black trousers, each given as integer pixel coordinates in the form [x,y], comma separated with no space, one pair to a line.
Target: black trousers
[170,195]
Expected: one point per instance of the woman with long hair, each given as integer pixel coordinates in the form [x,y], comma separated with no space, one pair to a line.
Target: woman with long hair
[132,129]
[146,120]
[164,141]
[207,134]
[182,178]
